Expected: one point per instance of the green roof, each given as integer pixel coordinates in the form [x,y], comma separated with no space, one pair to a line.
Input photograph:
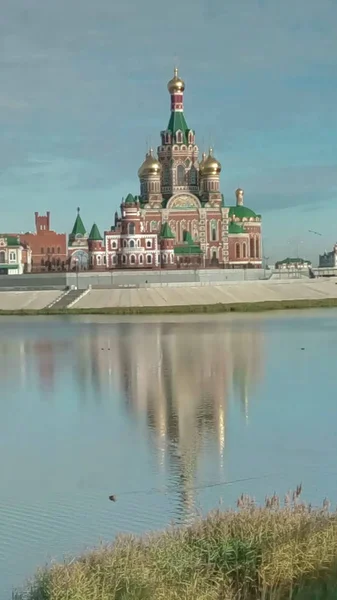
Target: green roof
[95,234]
[177,122]
[12,240]
[78,228]
[242,212]
[188,249]
[166,232]
[188,238]
[288,261]
[235,229]
[129,199]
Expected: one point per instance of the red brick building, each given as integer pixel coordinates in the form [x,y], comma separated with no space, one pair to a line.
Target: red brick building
[49,249]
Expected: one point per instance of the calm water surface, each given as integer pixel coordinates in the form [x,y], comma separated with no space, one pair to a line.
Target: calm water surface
[172,415]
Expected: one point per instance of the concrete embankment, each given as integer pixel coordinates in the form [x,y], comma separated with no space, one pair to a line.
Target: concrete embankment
[36,300]
[182,296]
[231,293]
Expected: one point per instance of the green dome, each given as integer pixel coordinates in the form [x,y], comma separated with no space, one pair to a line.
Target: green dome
[234,228]
[242,212]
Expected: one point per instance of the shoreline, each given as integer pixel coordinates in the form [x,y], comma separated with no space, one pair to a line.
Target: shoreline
[218,308]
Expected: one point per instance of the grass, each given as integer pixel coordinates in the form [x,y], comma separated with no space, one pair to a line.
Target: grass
[275,552]
[239,307]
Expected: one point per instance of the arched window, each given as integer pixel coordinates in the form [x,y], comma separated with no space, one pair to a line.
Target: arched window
[104,260]
[140,260]
[166,176]
[149,259]
[42,250]
[98,259]
[257,248]
[125,243]
[153,226]
[180,175]
[244,250]
[132,259]
[252,248]
[214,232]
[132,244]
[193,176]
[237,251]
[131,229]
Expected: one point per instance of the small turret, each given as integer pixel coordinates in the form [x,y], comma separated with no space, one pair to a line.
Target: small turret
[239,193]
[150,179]
[210,169]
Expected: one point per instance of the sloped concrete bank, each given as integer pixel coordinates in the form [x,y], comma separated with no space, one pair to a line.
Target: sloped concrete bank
[238,296]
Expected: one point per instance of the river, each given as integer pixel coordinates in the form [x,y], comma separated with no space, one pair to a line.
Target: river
[173,415]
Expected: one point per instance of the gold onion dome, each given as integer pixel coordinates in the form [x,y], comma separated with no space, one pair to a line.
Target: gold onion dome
[150,166]
[210,165]
[176,84]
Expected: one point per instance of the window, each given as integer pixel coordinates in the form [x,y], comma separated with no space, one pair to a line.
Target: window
[149,243]
[140,260]
[53,250]
[132,259]
[193,176]
[132,244]
[42,250]
[114,260]
[113,245]
[12,256]
[179,137]
[104,260]
[124,259]
[149,259]
[244,250]
[166,176]
[214,231]
[91,260]
[237,251]
[153,226]
[131,229]
[124,243]
[257,248]
[98,260]
[252,248]
[180,175]
[58,250]
[2,257]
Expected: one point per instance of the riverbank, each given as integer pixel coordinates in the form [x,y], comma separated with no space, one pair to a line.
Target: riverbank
[237,307]
[274,553]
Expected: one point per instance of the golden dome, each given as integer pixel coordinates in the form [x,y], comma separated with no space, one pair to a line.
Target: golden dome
[176,84]
[150,166]
[210,165]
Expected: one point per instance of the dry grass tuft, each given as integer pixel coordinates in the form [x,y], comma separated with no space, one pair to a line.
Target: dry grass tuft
[277,552]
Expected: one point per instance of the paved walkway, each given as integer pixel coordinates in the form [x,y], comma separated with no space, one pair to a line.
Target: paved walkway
[227,293]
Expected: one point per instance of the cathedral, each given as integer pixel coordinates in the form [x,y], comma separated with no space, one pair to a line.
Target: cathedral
[180,218]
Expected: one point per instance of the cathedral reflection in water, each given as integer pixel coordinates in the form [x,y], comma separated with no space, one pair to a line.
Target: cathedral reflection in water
[177,376]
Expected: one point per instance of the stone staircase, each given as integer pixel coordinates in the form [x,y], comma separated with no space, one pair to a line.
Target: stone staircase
[67,299]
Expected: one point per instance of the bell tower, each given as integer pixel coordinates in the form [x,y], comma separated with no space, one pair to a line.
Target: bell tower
[178,153]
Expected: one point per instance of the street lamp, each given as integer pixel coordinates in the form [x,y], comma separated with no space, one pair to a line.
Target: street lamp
[76,261]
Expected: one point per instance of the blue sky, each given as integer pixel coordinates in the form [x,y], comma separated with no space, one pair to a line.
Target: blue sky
[83,91]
